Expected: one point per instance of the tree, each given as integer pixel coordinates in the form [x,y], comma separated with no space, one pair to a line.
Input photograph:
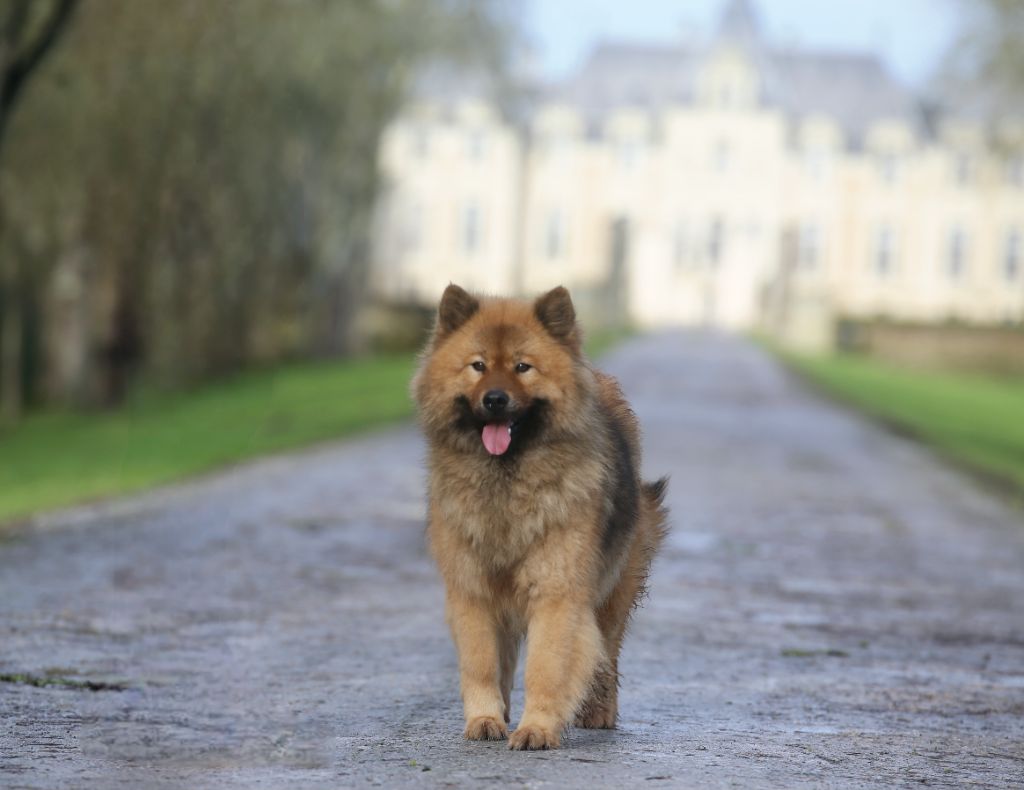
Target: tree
[195,181]
[988,56]
[27,37]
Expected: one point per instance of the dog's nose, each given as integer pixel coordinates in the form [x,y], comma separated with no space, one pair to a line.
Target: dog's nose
[496,401]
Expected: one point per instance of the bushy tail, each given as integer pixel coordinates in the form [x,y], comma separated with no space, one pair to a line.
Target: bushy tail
[654,528]
[657,513]
[655,493]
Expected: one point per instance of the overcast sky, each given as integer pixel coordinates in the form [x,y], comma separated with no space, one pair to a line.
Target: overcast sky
[910,35]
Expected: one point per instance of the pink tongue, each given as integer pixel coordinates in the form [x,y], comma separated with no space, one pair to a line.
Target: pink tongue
[496,437]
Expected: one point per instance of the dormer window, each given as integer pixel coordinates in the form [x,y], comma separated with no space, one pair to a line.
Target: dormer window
[728,82]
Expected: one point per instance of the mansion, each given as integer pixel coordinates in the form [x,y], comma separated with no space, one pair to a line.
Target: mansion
[732,184]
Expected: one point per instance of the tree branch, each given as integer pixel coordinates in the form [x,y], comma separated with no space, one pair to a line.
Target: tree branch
[15,24]
[23,64]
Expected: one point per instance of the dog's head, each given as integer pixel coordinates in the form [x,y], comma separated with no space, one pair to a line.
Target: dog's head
[500,373]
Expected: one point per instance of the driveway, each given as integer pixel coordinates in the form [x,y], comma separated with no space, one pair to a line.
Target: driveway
[834,608]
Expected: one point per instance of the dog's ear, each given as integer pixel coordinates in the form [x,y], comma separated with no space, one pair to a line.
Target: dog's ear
[457,307]
[555,311]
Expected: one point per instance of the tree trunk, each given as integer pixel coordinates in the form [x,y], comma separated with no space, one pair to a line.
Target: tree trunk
[10,333]
[19,58]
[11,360]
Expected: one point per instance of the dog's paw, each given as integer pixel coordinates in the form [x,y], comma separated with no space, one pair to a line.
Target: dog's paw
[596,718]
[528,737]
[485,728]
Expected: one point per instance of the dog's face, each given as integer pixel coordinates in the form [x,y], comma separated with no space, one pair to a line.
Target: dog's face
[499,373]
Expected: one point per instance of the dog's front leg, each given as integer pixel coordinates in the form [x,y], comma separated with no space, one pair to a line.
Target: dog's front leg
[563,647]
[476,639]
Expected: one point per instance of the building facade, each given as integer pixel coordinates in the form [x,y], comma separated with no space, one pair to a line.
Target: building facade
[731,184]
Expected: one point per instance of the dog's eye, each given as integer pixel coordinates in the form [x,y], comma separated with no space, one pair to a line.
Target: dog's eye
[522,367]
[479,366]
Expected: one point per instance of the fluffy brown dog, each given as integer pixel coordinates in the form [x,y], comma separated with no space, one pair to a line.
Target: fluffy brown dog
[538,518]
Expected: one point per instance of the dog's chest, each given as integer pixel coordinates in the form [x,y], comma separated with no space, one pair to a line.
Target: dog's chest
[501,513]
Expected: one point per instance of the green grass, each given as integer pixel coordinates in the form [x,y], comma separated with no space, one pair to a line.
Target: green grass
[598,341]
[54,459]
[976,420]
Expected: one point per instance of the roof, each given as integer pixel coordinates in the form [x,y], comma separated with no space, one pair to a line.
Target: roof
[624,75]
[855,89]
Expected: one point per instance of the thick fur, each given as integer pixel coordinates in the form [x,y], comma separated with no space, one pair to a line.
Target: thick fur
[552,540]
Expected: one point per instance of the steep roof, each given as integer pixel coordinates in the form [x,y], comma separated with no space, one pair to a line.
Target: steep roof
[854,89]
[631,75]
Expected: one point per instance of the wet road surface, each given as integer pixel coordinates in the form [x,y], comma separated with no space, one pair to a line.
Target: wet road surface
[834,608]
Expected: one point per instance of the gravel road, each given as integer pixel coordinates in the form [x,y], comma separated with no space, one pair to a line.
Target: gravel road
[834,608]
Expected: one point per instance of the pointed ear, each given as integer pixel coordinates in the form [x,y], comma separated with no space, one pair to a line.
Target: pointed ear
[555,311]
[457,307]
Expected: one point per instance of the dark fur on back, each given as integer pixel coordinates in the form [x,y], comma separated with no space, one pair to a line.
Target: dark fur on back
[624,487]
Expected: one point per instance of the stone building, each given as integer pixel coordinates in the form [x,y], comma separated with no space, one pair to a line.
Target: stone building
[732,184]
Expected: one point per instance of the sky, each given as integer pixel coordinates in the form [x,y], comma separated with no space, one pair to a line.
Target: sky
[911,36]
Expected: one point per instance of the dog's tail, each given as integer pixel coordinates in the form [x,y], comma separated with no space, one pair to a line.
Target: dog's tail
[654,504]
[655,517]
[655,492]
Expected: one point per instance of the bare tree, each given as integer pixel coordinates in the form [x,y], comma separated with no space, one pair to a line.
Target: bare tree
[989,57]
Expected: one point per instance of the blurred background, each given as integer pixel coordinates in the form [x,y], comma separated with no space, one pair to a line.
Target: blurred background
[224,225]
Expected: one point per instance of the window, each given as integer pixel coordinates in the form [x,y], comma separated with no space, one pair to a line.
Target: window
[956,255]
[716,242]
[681,245]
[809,247]
[412,228]
[816,163]
[885,251]
[421,142]
[963,170]
[471,228]
[553,145]
[628,152]
[889,168]
[722,156]
[476,144]
[554,235]
[1013,255]
[729,88]
[1015,171]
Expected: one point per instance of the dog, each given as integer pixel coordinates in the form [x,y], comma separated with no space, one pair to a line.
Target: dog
[538,519]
